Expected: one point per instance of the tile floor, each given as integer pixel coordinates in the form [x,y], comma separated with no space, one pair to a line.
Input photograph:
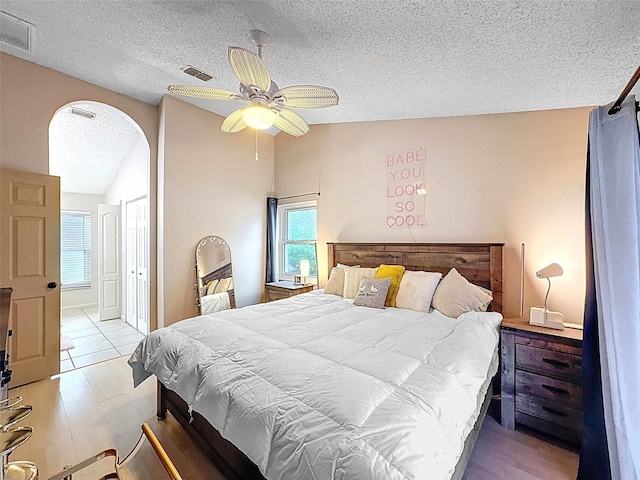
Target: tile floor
[94,341]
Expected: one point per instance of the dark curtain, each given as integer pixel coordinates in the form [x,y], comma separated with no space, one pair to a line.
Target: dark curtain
[594,453]
[272,209]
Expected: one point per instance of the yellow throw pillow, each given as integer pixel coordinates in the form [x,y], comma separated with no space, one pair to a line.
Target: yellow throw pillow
[395,272]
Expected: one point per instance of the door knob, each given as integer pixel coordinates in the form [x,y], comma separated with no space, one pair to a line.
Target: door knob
[52,285]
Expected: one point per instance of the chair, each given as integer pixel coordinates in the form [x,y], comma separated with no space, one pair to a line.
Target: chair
[147,433]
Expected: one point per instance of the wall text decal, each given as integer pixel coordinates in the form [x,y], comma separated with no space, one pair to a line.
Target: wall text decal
[406,189]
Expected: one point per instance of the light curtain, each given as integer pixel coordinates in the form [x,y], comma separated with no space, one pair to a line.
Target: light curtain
[615,212]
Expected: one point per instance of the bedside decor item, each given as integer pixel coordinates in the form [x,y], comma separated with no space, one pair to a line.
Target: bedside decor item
[304,270]
[542,316]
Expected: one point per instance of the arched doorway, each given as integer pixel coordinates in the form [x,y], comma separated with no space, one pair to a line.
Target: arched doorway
[103,159]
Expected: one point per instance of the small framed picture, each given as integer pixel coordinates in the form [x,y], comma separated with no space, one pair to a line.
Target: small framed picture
[297,280]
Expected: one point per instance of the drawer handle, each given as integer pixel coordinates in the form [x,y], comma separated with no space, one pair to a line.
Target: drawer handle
[553,411]
[556,363]
[556,390]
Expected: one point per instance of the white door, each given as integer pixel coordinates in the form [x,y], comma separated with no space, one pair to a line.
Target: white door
[30,263]
[137,261]
[142,254]
[131,265]
[109,261]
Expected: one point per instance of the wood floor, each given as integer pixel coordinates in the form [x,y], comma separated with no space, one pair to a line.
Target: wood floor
[84,411]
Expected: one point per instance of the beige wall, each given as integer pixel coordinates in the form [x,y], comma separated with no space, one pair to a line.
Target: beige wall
[512,178]
[209,184]
[29,97]
[82,202]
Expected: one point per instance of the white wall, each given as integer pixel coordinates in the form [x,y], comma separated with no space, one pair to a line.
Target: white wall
[209,184]
[131,182]
[511,178]
[132,179]
[84,203]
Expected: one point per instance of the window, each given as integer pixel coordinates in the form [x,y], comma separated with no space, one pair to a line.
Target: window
[298,235]
[75,250]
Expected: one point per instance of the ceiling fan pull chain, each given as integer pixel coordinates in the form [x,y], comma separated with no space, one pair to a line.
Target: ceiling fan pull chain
[257,144]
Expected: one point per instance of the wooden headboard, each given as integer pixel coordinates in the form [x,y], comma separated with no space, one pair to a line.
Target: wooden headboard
[480,263]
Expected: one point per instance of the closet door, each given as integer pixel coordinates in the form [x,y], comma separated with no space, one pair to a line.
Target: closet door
[137,264]
[142,256]
[131,255]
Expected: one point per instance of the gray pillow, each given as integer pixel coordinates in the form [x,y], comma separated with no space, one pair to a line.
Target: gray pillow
[372,292]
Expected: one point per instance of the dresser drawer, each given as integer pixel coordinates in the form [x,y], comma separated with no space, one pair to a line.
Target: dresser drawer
[276,295]
[553,411]
[550,362]
[546,387]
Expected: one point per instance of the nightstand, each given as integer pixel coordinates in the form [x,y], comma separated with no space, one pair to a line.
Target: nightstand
[279,290]
[542,378]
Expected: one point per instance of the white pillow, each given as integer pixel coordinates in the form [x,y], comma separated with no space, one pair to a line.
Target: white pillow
[353,277]
[416,290]
[455,295]
[335,284]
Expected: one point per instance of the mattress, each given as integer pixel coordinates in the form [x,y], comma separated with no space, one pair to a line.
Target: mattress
[315,387]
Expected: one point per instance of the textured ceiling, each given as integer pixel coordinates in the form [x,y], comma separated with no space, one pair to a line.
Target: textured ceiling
[86,154]
[387,59]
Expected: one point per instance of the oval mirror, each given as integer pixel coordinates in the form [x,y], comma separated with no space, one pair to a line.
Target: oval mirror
[214,276]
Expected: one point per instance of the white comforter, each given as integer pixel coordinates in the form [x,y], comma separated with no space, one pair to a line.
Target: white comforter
[313,387]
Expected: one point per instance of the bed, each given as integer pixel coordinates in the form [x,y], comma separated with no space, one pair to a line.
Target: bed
[303,387]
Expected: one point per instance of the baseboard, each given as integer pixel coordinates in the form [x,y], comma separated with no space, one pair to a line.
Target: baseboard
[86,305]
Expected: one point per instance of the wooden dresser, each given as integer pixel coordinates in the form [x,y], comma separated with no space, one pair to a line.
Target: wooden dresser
[542,378]
[279,290]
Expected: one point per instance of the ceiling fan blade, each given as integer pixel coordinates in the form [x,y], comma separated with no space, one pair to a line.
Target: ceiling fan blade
[249,68]
[204,92]
[290,122]
[308,96]
[234,122]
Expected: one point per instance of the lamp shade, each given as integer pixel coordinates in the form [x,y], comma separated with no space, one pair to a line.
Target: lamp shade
[304,268]
[258,116]
[552,270]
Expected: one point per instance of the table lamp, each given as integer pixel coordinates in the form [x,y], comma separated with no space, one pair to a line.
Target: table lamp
[542,316]
[304,270]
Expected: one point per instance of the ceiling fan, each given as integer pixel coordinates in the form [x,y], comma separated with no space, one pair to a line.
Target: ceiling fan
[270,105]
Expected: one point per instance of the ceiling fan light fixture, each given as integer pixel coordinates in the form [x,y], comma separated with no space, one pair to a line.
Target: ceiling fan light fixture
[258,117]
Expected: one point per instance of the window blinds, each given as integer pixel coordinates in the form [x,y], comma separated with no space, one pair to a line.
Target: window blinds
[75,250]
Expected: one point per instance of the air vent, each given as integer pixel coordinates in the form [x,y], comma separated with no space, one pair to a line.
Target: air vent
[199,74]
[82,113]
[16,32]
